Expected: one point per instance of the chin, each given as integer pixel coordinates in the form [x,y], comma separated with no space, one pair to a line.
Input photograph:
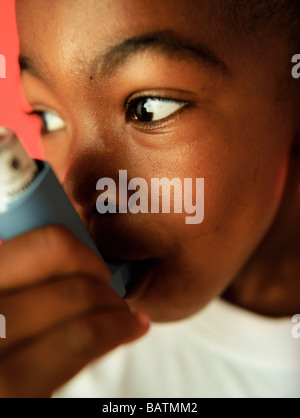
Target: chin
[164,296]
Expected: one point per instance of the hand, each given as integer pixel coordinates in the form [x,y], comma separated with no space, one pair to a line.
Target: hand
[60,312]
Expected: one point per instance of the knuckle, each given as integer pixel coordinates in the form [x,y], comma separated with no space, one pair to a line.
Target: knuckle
[47,238]
[57,238]
[79,287]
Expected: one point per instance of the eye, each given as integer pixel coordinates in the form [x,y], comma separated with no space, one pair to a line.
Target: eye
[148,109]
[51,122]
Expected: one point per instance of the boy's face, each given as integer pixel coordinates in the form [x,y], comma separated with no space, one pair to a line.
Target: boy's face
[222,118]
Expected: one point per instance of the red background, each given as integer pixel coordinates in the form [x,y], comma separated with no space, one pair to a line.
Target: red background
[12,103]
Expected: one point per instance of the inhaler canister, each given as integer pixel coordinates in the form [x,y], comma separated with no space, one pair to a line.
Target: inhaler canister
[31,197]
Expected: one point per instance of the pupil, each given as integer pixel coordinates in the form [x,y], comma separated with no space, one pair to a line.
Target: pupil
[142,112]
[15,164]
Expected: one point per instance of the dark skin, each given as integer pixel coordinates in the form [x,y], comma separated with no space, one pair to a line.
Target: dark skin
[247,246]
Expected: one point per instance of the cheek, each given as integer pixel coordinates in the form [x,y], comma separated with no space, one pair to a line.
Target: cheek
[241,201]
[243,185]
[58,160]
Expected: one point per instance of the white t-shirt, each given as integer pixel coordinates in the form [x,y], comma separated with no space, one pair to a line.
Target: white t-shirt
[223,351]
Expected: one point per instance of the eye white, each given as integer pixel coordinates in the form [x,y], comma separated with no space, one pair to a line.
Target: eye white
[53,122]
[161,108]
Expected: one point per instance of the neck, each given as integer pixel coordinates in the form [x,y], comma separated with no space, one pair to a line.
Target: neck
[270,282]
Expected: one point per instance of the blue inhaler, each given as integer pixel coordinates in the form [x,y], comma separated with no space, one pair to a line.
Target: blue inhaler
[31,197]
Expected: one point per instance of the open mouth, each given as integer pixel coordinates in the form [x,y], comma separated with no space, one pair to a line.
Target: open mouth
[127,254]
[139,280]
[128,276]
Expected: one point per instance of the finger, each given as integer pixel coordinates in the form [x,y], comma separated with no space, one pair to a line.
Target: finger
[46,252]
[51,361]
[37,309]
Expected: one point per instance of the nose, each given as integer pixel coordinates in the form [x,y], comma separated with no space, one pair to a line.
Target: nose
[85,169]
[80,181]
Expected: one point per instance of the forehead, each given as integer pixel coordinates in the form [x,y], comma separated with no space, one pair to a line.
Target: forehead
[123,15]
[82,28]
[65,38]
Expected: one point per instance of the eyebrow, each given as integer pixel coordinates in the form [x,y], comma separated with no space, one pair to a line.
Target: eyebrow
[25,64]
[165,42]
[32,67]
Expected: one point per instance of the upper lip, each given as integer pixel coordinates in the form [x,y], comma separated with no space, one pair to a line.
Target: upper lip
[114,243]
[114,240]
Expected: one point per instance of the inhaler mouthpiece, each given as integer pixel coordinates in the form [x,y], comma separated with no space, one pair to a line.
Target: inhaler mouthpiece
[17,169]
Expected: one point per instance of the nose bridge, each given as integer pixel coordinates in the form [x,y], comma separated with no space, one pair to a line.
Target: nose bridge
[86,147]
[92,158]
[97,150]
